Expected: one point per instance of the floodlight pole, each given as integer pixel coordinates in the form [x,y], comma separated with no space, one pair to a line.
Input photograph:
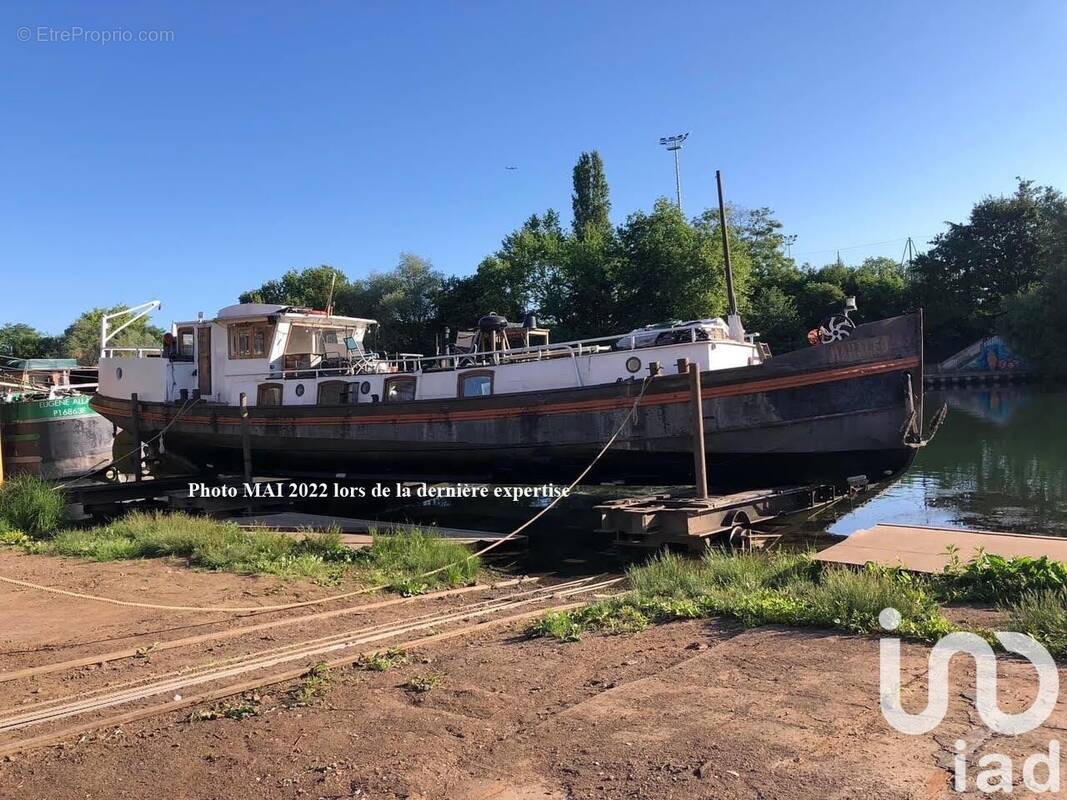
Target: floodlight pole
[674,143]
[678,175]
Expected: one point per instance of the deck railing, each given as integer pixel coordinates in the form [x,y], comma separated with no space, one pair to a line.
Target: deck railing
[125,352]
[374,364]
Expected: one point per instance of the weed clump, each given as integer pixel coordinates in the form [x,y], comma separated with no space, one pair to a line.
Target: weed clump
[247,705]
[316,683]
[996,579]
[383,661]
[421,684]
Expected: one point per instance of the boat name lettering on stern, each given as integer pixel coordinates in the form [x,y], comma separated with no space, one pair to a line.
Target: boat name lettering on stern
[857,349]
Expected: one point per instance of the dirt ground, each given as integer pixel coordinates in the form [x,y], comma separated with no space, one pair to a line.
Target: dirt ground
[687,710]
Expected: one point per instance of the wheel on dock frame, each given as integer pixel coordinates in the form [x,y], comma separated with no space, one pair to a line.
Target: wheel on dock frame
[740,530]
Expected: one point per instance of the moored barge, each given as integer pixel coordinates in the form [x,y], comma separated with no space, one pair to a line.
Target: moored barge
[503,403]
[47,427]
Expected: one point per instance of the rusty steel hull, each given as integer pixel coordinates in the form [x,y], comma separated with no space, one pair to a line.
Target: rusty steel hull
[823,413]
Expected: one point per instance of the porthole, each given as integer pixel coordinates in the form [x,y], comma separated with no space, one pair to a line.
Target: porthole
[300,390]
[364,388]
[118,373]
[633,364]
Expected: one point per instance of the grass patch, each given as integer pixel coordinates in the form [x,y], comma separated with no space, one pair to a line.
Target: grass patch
[33,506]
[401,560]
[1043,615]
[397,561]
[202,541]
[793,589]
[756,589]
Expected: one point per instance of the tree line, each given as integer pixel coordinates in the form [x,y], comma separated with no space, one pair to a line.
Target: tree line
[80,340]
[1001,270]
[593,278]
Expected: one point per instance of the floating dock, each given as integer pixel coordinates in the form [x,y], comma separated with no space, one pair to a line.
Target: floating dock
[919,548]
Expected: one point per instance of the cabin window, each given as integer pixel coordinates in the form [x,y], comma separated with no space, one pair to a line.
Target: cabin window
[399,389]
[250,341]
[269,394]
[333,393]
[185,344]
[476,384]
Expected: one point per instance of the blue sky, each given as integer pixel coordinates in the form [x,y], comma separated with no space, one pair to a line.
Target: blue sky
[267,136]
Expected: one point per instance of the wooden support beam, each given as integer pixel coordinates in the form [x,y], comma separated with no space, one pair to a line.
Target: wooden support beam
[700,467]
[135,431]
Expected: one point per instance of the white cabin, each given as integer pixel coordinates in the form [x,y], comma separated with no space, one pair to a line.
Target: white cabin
[273,355]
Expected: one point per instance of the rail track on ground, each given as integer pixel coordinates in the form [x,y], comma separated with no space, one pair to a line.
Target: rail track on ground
[165,692]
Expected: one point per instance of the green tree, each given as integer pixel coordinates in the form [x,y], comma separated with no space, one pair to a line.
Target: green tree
[671,269]
[762,237]
[20,340]
[582,300]
[880,287]
[580,295]
[1035,320]
[523,274]
[816,300]
[1002,250]
[81,339]
[307,288]
[773,315]
[404,301]
[461,302]
[589,199]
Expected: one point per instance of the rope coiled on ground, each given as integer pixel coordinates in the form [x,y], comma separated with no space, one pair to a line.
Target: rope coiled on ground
[367,590]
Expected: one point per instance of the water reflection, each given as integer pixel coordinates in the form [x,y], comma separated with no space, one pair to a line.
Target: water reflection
[998,463]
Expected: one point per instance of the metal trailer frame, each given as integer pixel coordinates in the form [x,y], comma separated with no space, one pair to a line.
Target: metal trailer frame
[656,520]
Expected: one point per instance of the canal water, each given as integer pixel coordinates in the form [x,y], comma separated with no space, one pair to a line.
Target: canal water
[998,463]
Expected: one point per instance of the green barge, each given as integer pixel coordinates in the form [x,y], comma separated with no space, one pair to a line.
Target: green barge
[47,428]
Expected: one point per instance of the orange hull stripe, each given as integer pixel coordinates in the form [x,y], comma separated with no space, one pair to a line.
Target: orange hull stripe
[668,398]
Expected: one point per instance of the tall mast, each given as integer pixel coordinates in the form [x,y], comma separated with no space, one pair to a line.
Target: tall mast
[737,331]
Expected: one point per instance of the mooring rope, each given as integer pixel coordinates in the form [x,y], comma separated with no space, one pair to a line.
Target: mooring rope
[160,607]
[575,482]
[367,590]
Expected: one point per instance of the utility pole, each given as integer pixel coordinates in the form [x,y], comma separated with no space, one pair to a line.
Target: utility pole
[908,254]
[674,143]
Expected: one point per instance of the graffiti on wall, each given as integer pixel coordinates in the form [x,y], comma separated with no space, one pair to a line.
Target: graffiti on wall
[994,355]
